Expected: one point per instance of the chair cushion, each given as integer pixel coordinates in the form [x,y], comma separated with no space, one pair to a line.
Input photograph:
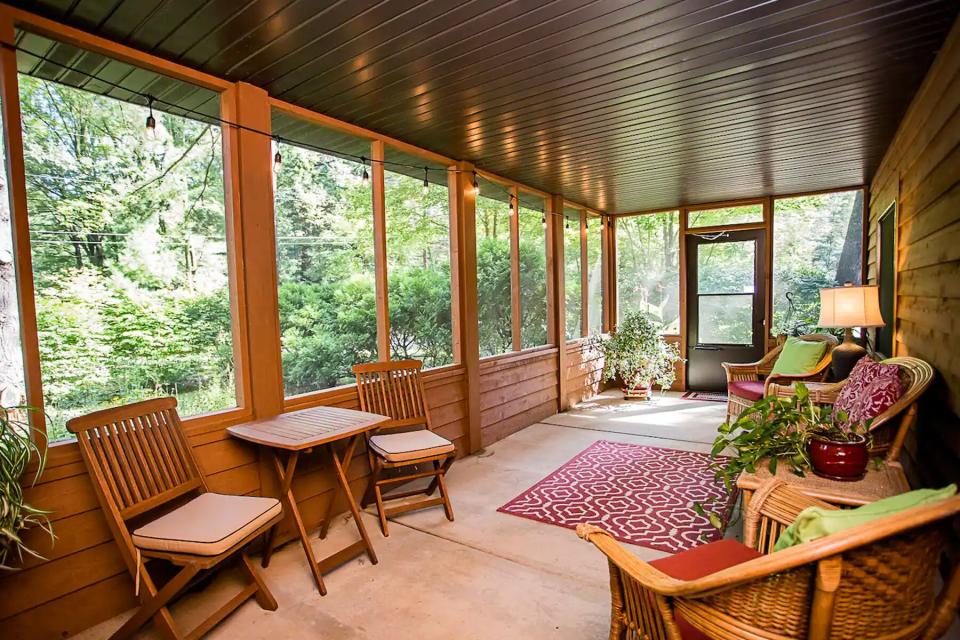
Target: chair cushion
[871,389]
[410,445]
[749,389]
[702,561]
[816,522]
[799,356]
[208,525]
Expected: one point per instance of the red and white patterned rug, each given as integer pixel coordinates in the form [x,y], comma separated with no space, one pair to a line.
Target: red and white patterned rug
[641,495]
[708,396]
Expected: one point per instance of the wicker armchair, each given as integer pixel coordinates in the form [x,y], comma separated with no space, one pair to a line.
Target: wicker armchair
[872,581]
[890,428]
[759,371]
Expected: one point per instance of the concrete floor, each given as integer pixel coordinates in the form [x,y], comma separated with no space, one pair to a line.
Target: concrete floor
[487,575]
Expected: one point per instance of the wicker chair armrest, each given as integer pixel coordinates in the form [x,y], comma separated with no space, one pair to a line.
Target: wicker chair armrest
[773,507]
[820,392]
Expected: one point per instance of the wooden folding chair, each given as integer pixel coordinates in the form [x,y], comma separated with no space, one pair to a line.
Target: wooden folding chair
[400,449]
[158,506]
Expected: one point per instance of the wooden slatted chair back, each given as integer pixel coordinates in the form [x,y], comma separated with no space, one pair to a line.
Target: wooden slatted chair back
[138,455]
[394,389]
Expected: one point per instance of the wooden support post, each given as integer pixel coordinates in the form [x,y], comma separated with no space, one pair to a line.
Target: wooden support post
[682,258]
[20,225]
[463,261]
[611,291]
[515,269]
[556,324]
[584,278]
[378,186]
[249,174]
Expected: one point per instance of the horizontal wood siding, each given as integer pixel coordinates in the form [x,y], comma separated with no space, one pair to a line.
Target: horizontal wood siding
[83,573]
[516,390]
[584,371]
[921,173]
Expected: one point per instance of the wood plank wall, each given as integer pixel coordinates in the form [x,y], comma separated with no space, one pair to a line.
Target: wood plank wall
[516,390]
[584,371]
[921,173]
[84,575]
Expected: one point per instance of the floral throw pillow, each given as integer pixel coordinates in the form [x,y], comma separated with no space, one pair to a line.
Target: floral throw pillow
[871,389]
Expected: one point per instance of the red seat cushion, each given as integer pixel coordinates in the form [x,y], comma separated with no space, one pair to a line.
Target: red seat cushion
[702,561]
[749,389]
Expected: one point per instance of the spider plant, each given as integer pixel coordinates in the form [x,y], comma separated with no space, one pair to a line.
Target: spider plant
[17,449]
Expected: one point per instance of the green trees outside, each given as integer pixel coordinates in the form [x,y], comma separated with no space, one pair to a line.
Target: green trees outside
[817,243]
[648,267]
[571,273]
[128,241]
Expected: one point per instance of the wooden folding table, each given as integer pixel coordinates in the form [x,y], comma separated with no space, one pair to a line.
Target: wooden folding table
[300,432]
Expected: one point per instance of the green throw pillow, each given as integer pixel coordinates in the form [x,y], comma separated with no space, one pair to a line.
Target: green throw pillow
[816,522]
[799,356]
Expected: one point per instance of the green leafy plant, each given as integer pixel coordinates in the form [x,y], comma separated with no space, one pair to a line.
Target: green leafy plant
[17,449]
[637,353]
[779,429]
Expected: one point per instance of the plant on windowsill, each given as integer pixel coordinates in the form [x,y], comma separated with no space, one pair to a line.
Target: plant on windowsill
[794,431]
[638,354]
[17,449]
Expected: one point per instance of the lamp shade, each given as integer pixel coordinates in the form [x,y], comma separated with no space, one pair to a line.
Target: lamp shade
[849,306]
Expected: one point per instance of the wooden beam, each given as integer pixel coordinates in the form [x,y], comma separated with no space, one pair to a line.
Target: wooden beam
[557,306]
[515,269]
[768,339]
[20,225]
[248,163]
[463,229]
[83,40]
[378,187]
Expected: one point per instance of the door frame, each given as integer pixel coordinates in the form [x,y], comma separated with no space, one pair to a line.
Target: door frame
[766,225]
[760,329]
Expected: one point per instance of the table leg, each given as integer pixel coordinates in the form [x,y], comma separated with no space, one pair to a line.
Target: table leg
[328,516]
[341,469]
[290,504]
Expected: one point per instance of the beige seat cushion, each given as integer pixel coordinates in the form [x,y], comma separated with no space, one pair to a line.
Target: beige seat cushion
[208,525]
[410,445]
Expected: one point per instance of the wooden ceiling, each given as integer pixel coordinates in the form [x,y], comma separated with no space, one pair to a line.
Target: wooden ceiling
[617,104]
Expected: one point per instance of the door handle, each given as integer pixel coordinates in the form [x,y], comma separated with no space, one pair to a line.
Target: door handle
[701,347]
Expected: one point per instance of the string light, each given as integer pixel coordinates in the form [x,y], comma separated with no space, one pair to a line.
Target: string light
[426,182]
[151,121]
[151,124]
[277,158]
[566,222]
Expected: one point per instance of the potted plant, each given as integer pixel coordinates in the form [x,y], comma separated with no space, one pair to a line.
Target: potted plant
[637,354]
[17,449]
[793,431]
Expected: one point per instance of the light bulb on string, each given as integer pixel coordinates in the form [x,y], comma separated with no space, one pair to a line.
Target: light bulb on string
[426,182]
[277,157]
[566,223]
[476,184]
[365,180]
[543,221]
[513,206]
[151,124]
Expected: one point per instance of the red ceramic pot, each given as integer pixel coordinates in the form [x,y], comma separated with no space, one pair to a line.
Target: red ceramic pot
[839,460]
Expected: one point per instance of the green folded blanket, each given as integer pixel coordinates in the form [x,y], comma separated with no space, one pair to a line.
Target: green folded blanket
[817,522]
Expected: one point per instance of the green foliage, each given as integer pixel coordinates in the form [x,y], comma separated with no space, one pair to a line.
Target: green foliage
[648,272]
[16,451]
[778,429]
[637,353]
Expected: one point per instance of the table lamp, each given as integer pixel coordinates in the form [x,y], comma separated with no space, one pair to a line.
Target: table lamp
[844,308]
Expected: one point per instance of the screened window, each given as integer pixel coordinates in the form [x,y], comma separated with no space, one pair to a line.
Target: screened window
[493,269]
[12,387]
[533,271]
[648,269]
[726,215]
[128,237]
[817,243]
[327,293]
[572,273]
[418,265]
[594,275]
